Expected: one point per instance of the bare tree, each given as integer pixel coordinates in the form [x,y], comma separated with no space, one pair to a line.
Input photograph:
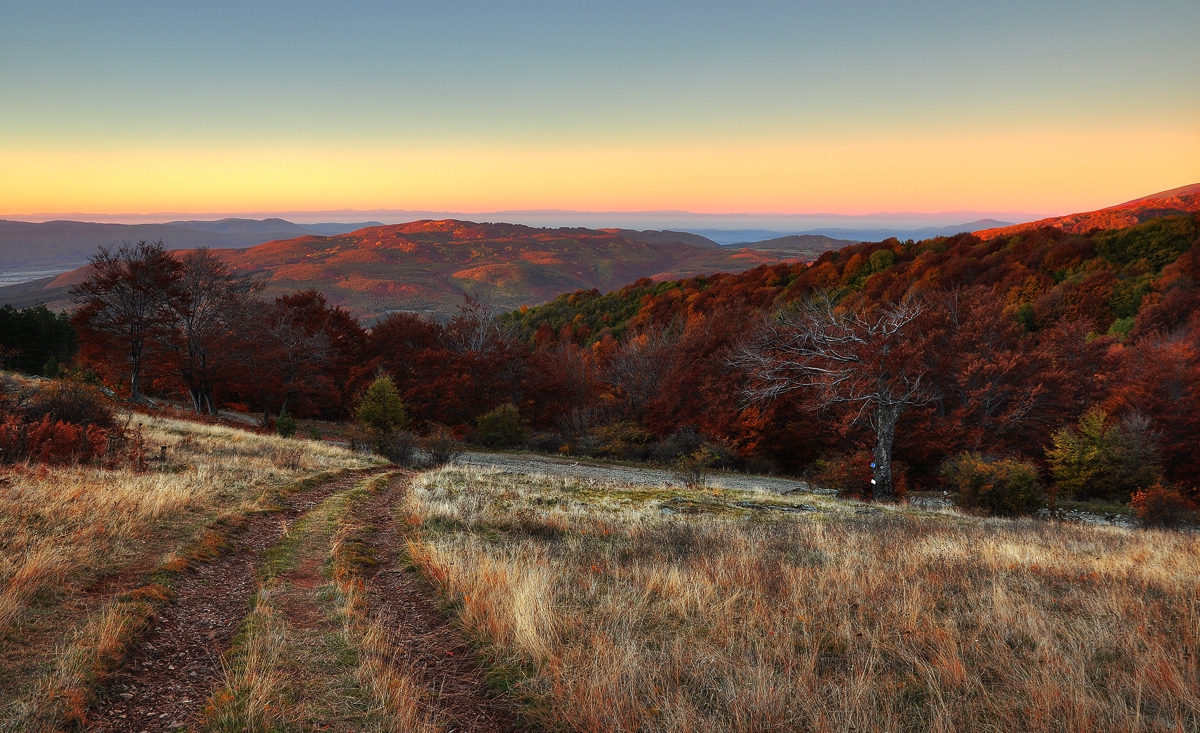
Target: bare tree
[638,366]
[125,297]
[475,329]
[852,354]
[205,303]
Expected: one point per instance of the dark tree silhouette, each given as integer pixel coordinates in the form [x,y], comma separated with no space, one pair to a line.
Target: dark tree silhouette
[205,303]
[124,298]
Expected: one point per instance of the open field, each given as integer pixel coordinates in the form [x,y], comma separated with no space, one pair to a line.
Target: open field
[79,545]
[601,611]
[586,605]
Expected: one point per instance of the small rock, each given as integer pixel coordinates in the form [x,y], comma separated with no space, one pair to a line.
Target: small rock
[126,695]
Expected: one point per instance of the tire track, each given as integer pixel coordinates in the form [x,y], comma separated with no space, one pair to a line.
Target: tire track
[164,684]
[426,644]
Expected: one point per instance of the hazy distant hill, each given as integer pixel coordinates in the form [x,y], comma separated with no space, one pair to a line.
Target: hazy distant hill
[1182,200]
[64,245]
[427,266]
[808,245]
[754,237]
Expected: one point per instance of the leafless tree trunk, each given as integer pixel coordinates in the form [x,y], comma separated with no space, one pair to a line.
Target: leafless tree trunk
[205,303]
[851,354]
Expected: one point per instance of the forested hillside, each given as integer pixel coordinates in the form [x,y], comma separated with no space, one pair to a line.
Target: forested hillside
[1043,275]
[1076,355]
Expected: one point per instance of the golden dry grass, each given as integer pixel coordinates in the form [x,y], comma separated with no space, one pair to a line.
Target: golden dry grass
[64,529]
[290,671]
[603,612]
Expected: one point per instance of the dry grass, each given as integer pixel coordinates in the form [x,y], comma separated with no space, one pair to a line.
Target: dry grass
[391,685]
[63,530]
[605,613]
[290,668]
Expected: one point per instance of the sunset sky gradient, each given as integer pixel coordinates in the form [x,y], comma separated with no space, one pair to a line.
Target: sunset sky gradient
[1040,108]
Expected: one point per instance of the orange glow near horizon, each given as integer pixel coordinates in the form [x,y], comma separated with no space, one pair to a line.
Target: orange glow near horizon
[1050,173]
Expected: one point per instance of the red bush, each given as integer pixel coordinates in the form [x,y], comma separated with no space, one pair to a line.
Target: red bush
[60,443]
[1163,506]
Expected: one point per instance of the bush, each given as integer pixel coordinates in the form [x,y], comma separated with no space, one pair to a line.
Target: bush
[70,402]
[399,447]
[684,442]
[1163,506]
[285,424]
[693,470]
[52,369]
[440,446]
[547,442]
[381,407]
[503,427]
[61,443]
[850,475]
[624,440]
[1103,460]
[1000,486]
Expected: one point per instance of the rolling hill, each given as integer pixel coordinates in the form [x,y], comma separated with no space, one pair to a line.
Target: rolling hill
[1182,200]
[427,266]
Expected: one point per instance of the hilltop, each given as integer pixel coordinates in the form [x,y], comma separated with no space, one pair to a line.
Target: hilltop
[1182,200]
[1108,277]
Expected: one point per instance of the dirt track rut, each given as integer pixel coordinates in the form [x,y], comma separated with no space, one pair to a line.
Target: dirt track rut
[165,683]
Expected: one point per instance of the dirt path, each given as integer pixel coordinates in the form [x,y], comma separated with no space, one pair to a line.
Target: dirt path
[429,646]
[165,683]
[590,470]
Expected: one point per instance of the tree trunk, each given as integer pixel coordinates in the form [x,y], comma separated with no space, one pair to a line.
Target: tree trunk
[885,420]
[266,423]
[135,380]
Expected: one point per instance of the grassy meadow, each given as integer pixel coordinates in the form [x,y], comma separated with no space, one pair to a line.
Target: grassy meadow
[71,537]
[641,609]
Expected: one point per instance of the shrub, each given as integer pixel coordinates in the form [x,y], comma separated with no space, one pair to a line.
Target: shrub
[1163,506]
[503,427]
[693,470]
[547,442]
[381,407]
[52,369]
[1001,486]
[687,441]
[849,475]
[285,424]
[1103,460]
[60,443]
[440,446]
[684,442]
[399,447]
[625,440]
[70,402]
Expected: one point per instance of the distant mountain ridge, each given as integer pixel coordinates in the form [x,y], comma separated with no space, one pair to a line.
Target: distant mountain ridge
[65,245]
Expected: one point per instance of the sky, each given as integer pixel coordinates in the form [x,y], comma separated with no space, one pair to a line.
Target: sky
[1010,109]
